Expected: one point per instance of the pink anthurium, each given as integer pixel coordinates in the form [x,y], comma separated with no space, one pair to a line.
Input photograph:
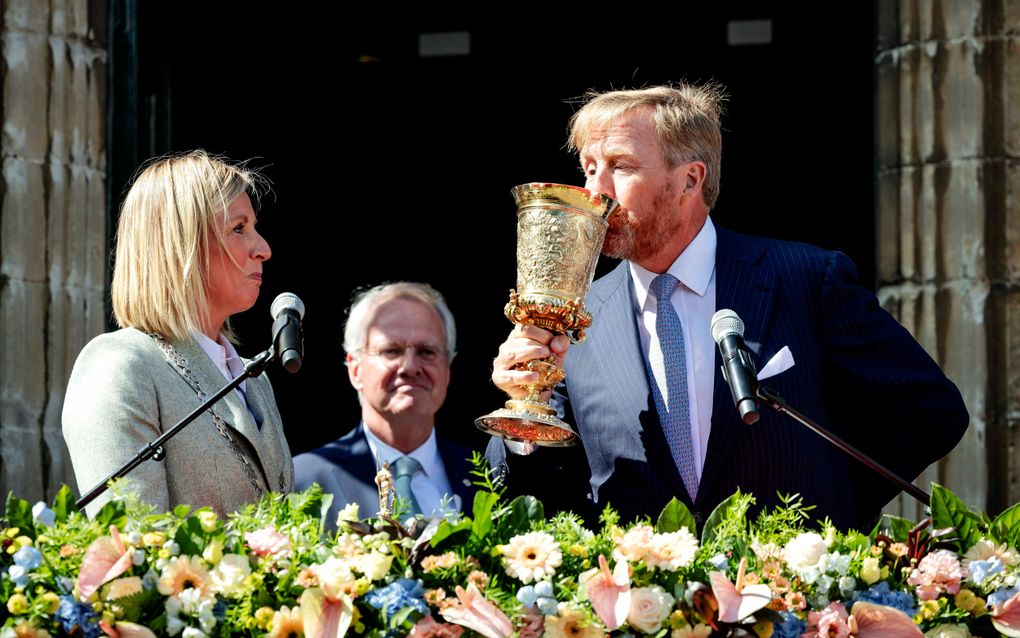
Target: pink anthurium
[869,620]
[105,559]
[738,600]
[608,592]
[124,629]
[478,614]
[1006,617]
[325,617]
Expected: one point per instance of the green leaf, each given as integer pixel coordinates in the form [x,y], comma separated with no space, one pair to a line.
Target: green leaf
[947,510]
[19,514]
[1006,526]
[397,621]
[445,530]
[733,506]
[484,502]
[674,516]
[190,537]
[523,510]
[112,513]
[182,510]
[897,527]
[63,503]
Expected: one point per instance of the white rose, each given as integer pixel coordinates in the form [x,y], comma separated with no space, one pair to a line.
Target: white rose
[373,565]
[804,551]
[348,513]
[334,575]
[948,631]
[230,575]
[649,608]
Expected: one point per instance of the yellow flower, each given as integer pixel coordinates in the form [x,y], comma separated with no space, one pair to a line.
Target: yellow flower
[18,604]
[577,550]
[184,572]
[571,623]
[968,601]
[153,539]
[928,609]
[531,557]
[287,623]
[213,552]
[264,616]
[697,631]
[207,520]
[762,629]
[870,571]
[51,602]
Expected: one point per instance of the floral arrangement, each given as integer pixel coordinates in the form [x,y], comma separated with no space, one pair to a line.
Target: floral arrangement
[505,570]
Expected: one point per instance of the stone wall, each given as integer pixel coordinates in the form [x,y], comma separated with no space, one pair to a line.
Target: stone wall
[53,234]
[948,261]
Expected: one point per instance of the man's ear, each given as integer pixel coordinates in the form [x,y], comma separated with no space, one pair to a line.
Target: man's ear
[693,177]
[354,371]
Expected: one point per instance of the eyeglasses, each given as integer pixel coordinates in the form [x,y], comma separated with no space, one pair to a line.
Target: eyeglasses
[425,353]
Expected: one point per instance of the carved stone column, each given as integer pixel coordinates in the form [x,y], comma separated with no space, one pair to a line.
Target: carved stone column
[948,138]
[53,234]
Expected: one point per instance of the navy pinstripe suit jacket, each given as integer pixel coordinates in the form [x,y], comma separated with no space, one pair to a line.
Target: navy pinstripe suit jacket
[858,372]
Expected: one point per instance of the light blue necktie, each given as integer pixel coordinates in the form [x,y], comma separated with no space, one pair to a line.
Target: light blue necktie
[675,419]
[404,468]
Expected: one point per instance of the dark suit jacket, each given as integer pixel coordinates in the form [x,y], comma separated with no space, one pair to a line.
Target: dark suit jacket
[346,469]
[858,372]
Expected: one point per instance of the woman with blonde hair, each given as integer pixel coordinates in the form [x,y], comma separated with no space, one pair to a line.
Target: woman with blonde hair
[187,258]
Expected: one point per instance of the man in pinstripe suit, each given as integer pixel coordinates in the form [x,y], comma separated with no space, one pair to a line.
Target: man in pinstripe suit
[657,151]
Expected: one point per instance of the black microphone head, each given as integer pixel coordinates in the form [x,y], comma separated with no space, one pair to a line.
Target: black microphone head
[726,322]
[285,301]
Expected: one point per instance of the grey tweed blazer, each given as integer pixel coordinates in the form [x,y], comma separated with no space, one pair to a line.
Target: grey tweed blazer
[125,391]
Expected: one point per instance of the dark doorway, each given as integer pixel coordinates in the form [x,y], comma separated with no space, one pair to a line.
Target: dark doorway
[388,164]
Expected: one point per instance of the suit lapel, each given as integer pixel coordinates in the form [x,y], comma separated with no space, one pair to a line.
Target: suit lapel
[748,288]
[457,467]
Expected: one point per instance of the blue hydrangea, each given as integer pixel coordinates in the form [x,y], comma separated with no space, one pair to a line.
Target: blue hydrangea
[76,615]
[1002,595]
[43,515]
[880,594]
[28,557]
[791,627]
[398,595]
[526,596]
[547,606]
[980,570]
[720,562]
[18,575]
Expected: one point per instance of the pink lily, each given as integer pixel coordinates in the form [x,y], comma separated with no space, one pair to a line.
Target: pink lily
[608,593]
[478,614]
[740,600]
[325,617]
[105,559]
[1006,617]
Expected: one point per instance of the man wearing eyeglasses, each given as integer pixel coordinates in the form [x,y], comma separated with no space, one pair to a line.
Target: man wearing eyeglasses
[400,339]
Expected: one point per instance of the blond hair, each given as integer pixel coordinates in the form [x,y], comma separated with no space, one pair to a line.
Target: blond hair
[175,204]
[687,121]
[362,312]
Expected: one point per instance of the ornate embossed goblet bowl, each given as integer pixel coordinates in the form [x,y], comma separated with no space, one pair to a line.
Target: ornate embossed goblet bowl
[560,230]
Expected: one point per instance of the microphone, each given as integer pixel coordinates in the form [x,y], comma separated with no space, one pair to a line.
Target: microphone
[737,368]
[288,342]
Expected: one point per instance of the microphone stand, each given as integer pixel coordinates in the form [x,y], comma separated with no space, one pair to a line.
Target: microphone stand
[154,449]
[776,402]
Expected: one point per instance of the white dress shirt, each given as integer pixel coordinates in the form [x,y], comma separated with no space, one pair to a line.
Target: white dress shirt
[694,301]
[226,360]
[430,484]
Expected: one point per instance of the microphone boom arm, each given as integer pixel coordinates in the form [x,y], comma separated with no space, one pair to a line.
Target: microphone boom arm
[776,402]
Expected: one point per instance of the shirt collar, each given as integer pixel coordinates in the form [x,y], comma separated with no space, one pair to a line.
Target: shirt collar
[693,267]
[427,453]
[222,354]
